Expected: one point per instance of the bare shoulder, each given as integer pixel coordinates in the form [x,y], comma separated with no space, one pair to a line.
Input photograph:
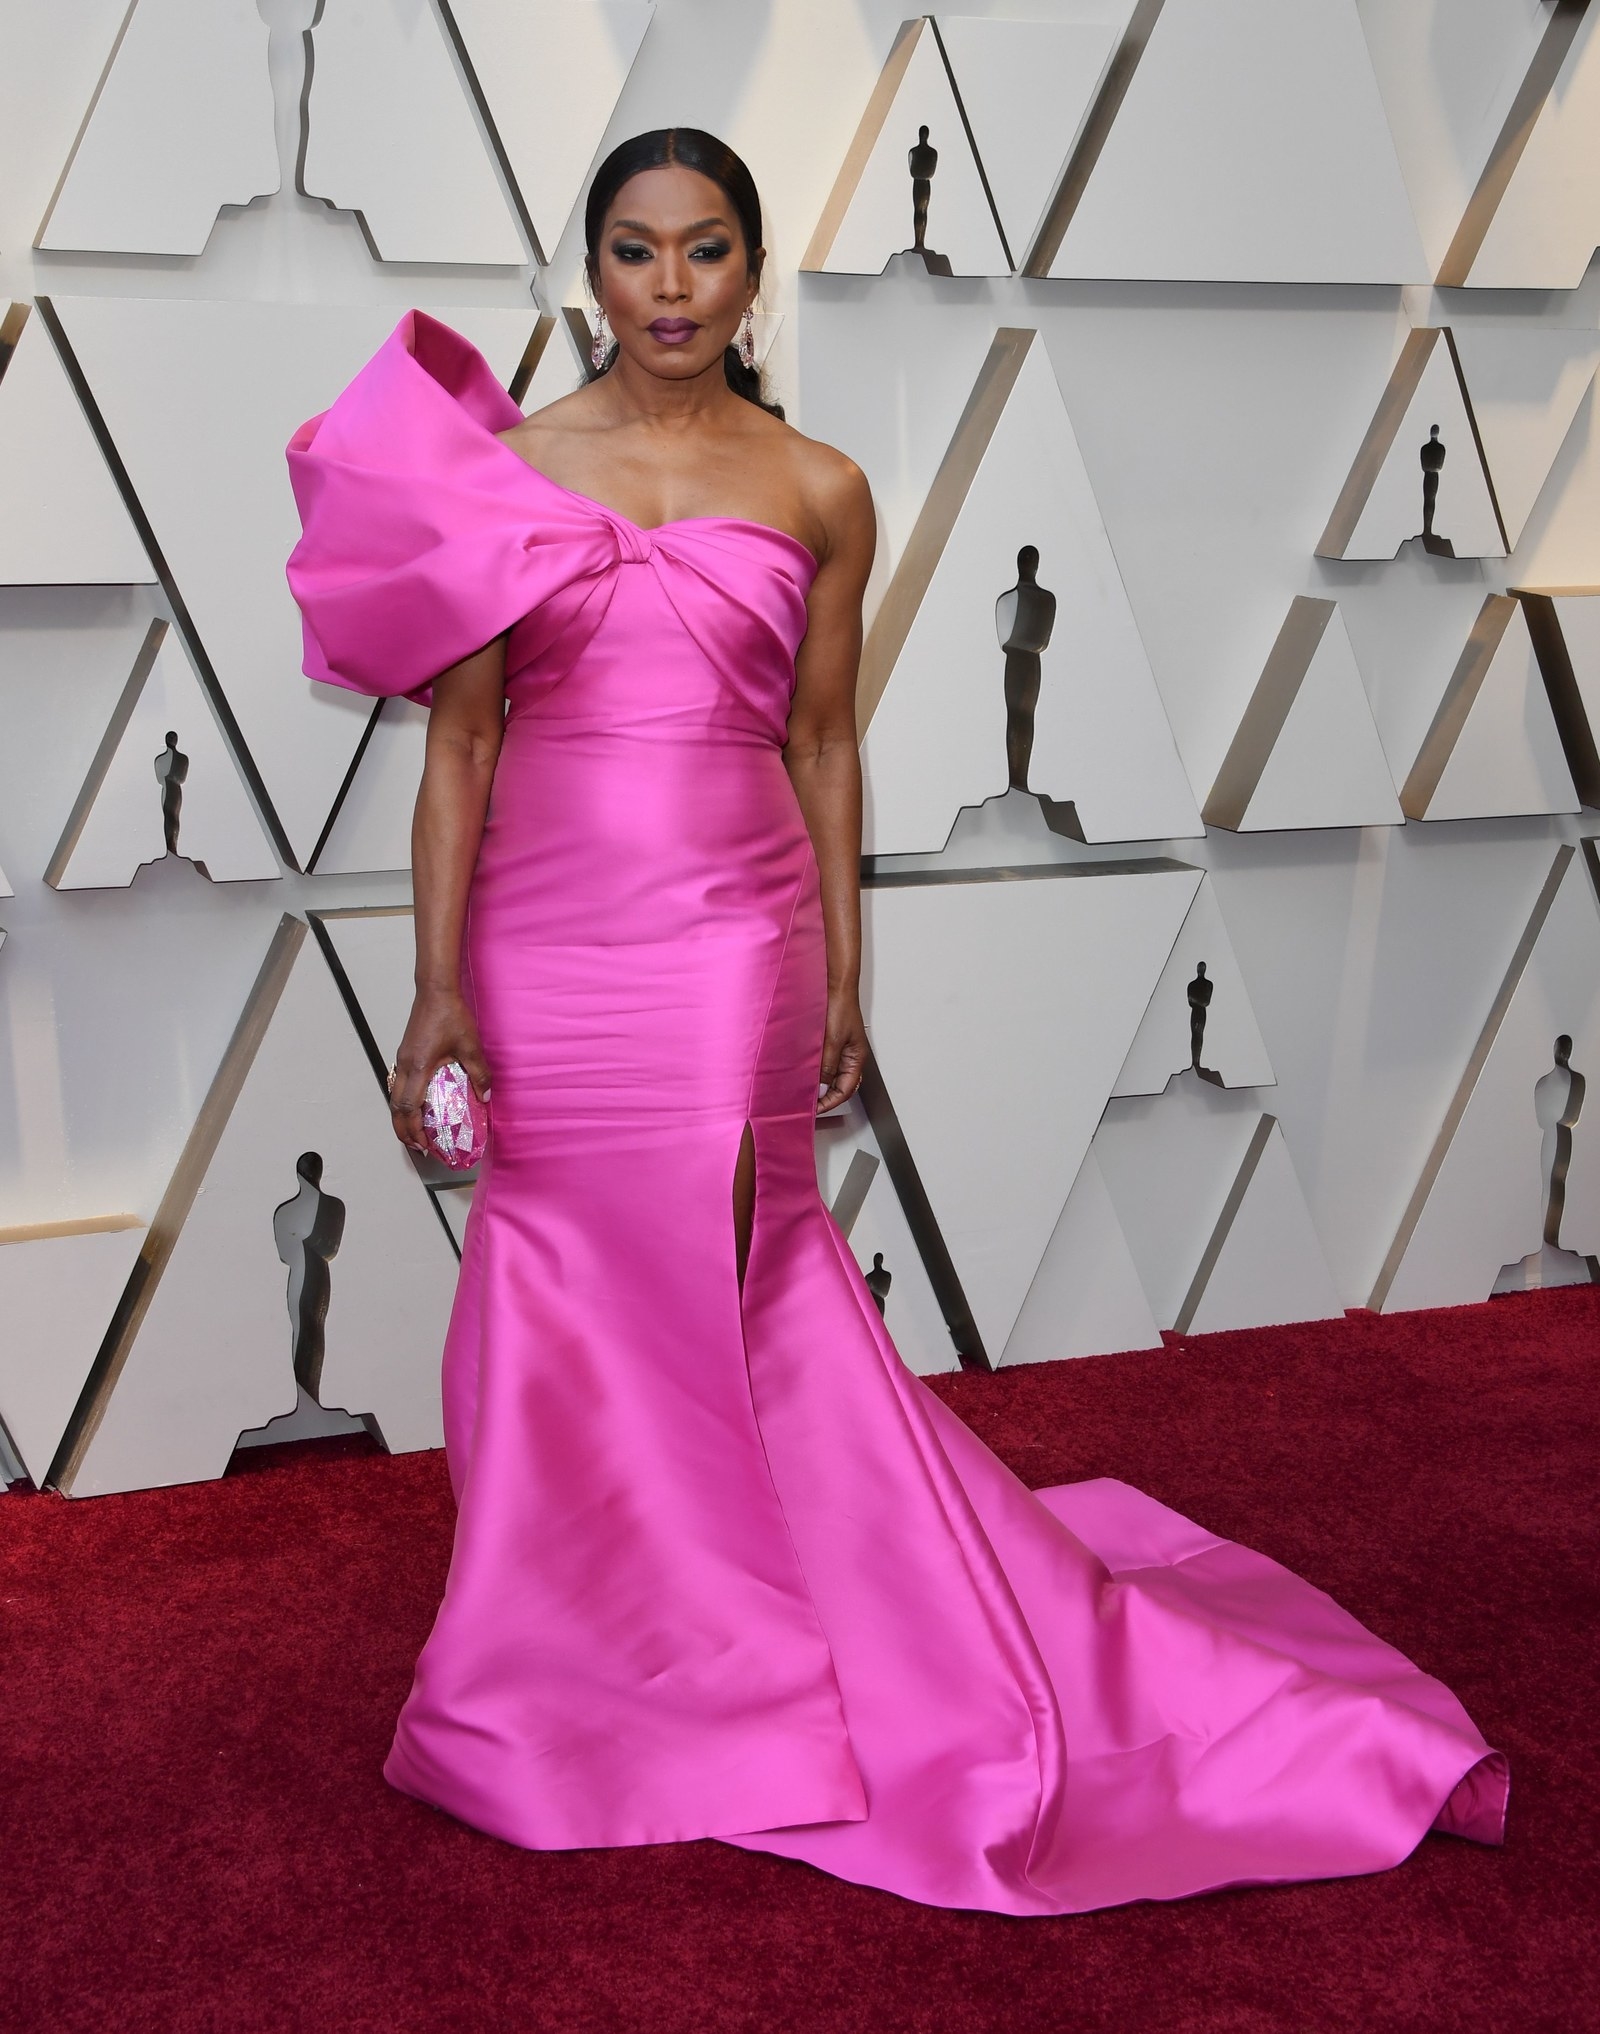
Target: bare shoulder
[836,495]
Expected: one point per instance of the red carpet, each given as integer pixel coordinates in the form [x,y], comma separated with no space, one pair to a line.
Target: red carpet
[197,1688]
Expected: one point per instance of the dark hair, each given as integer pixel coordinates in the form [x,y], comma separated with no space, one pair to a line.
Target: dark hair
[690,148]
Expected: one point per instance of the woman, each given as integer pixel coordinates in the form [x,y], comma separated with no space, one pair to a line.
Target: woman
[722,1566]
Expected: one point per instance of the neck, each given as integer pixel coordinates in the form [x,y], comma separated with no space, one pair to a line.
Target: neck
[635,393]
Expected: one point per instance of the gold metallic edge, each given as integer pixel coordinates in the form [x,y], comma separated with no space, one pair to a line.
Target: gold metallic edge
[862,143]
[891,625]
[188,1177]
[1271,702]
[1437,1154]
[1217,1242]
[105,754]
[1404,378]
[1092,137]
[1460,696]
[1516,132]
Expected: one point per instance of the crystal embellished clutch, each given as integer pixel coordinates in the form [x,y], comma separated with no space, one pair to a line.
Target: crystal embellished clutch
[454,1121]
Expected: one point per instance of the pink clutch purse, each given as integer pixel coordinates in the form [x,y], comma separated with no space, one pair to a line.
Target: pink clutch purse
[454,1121]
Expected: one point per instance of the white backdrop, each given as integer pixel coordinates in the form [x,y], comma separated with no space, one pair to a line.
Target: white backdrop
[1215,225]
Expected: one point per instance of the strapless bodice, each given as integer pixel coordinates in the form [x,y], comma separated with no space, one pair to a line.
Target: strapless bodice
[426,535]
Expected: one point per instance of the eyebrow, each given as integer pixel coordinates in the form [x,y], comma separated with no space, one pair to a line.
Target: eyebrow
[638,225]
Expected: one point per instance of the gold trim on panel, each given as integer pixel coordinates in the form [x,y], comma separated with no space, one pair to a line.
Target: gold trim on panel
[1495,178]
[105,754]
[1480,1053]
[864,141]
[1376,446]
[1219,1235]
[12,321]
[1460,696]
[1562,690]
[1096,128]
[1275,693]
[920,560]
[581,331]
[532,354]
[1404,380]
[83,125]
[187,1179]
[82,1225]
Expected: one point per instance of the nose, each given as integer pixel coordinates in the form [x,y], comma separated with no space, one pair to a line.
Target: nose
[672,278]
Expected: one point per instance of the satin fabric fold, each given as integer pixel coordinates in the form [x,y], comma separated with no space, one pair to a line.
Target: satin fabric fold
[723,1566]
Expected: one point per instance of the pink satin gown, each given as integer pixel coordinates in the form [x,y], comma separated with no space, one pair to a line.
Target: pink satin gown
[721,1567]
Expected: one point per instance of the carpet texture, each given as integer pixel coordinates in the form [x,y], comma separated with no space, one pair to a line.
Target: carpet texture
[197,1688]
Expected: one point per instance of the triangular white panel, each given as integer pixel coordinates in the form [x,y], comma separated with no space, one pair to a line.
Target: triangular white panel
[937,739]
[1169,1162]
[1056,972]
[551,72]
[1479,1203]
[1527,381]
[393,134]
[1325,765]
[181,125]
[874,1225]
[1450,72]
[1231,1045]
[5,886]
[119,820]
[1264,1264]
[1252,146]
[1464,513]
[62,521]
[1085,1299]
[1026,88]
[372,828]
[377,951]
[59,1286]
[1558,547]
[1547,225]
[211,1356]
[168,377]
[869,216]
[1493,751]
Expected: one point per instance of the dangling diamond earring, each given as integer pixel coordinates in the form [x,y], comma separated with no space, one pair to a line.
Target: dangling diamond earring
[601,344]
[747,339]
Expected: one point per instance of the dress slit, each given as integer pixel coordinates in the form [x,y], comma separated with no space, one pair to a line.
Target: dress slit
[744,1202]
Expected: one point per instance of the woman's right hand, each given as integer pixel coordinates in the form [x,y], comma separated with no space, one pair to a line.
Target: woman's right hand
[440,1028]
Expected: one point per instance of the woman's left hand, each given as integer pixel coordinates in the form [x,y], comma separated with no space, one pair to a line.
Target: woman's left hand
[844,1050]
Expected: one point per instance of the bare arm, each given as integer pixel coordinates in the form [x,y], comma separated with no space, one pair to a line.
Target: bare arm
[464,732]
[823,759]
